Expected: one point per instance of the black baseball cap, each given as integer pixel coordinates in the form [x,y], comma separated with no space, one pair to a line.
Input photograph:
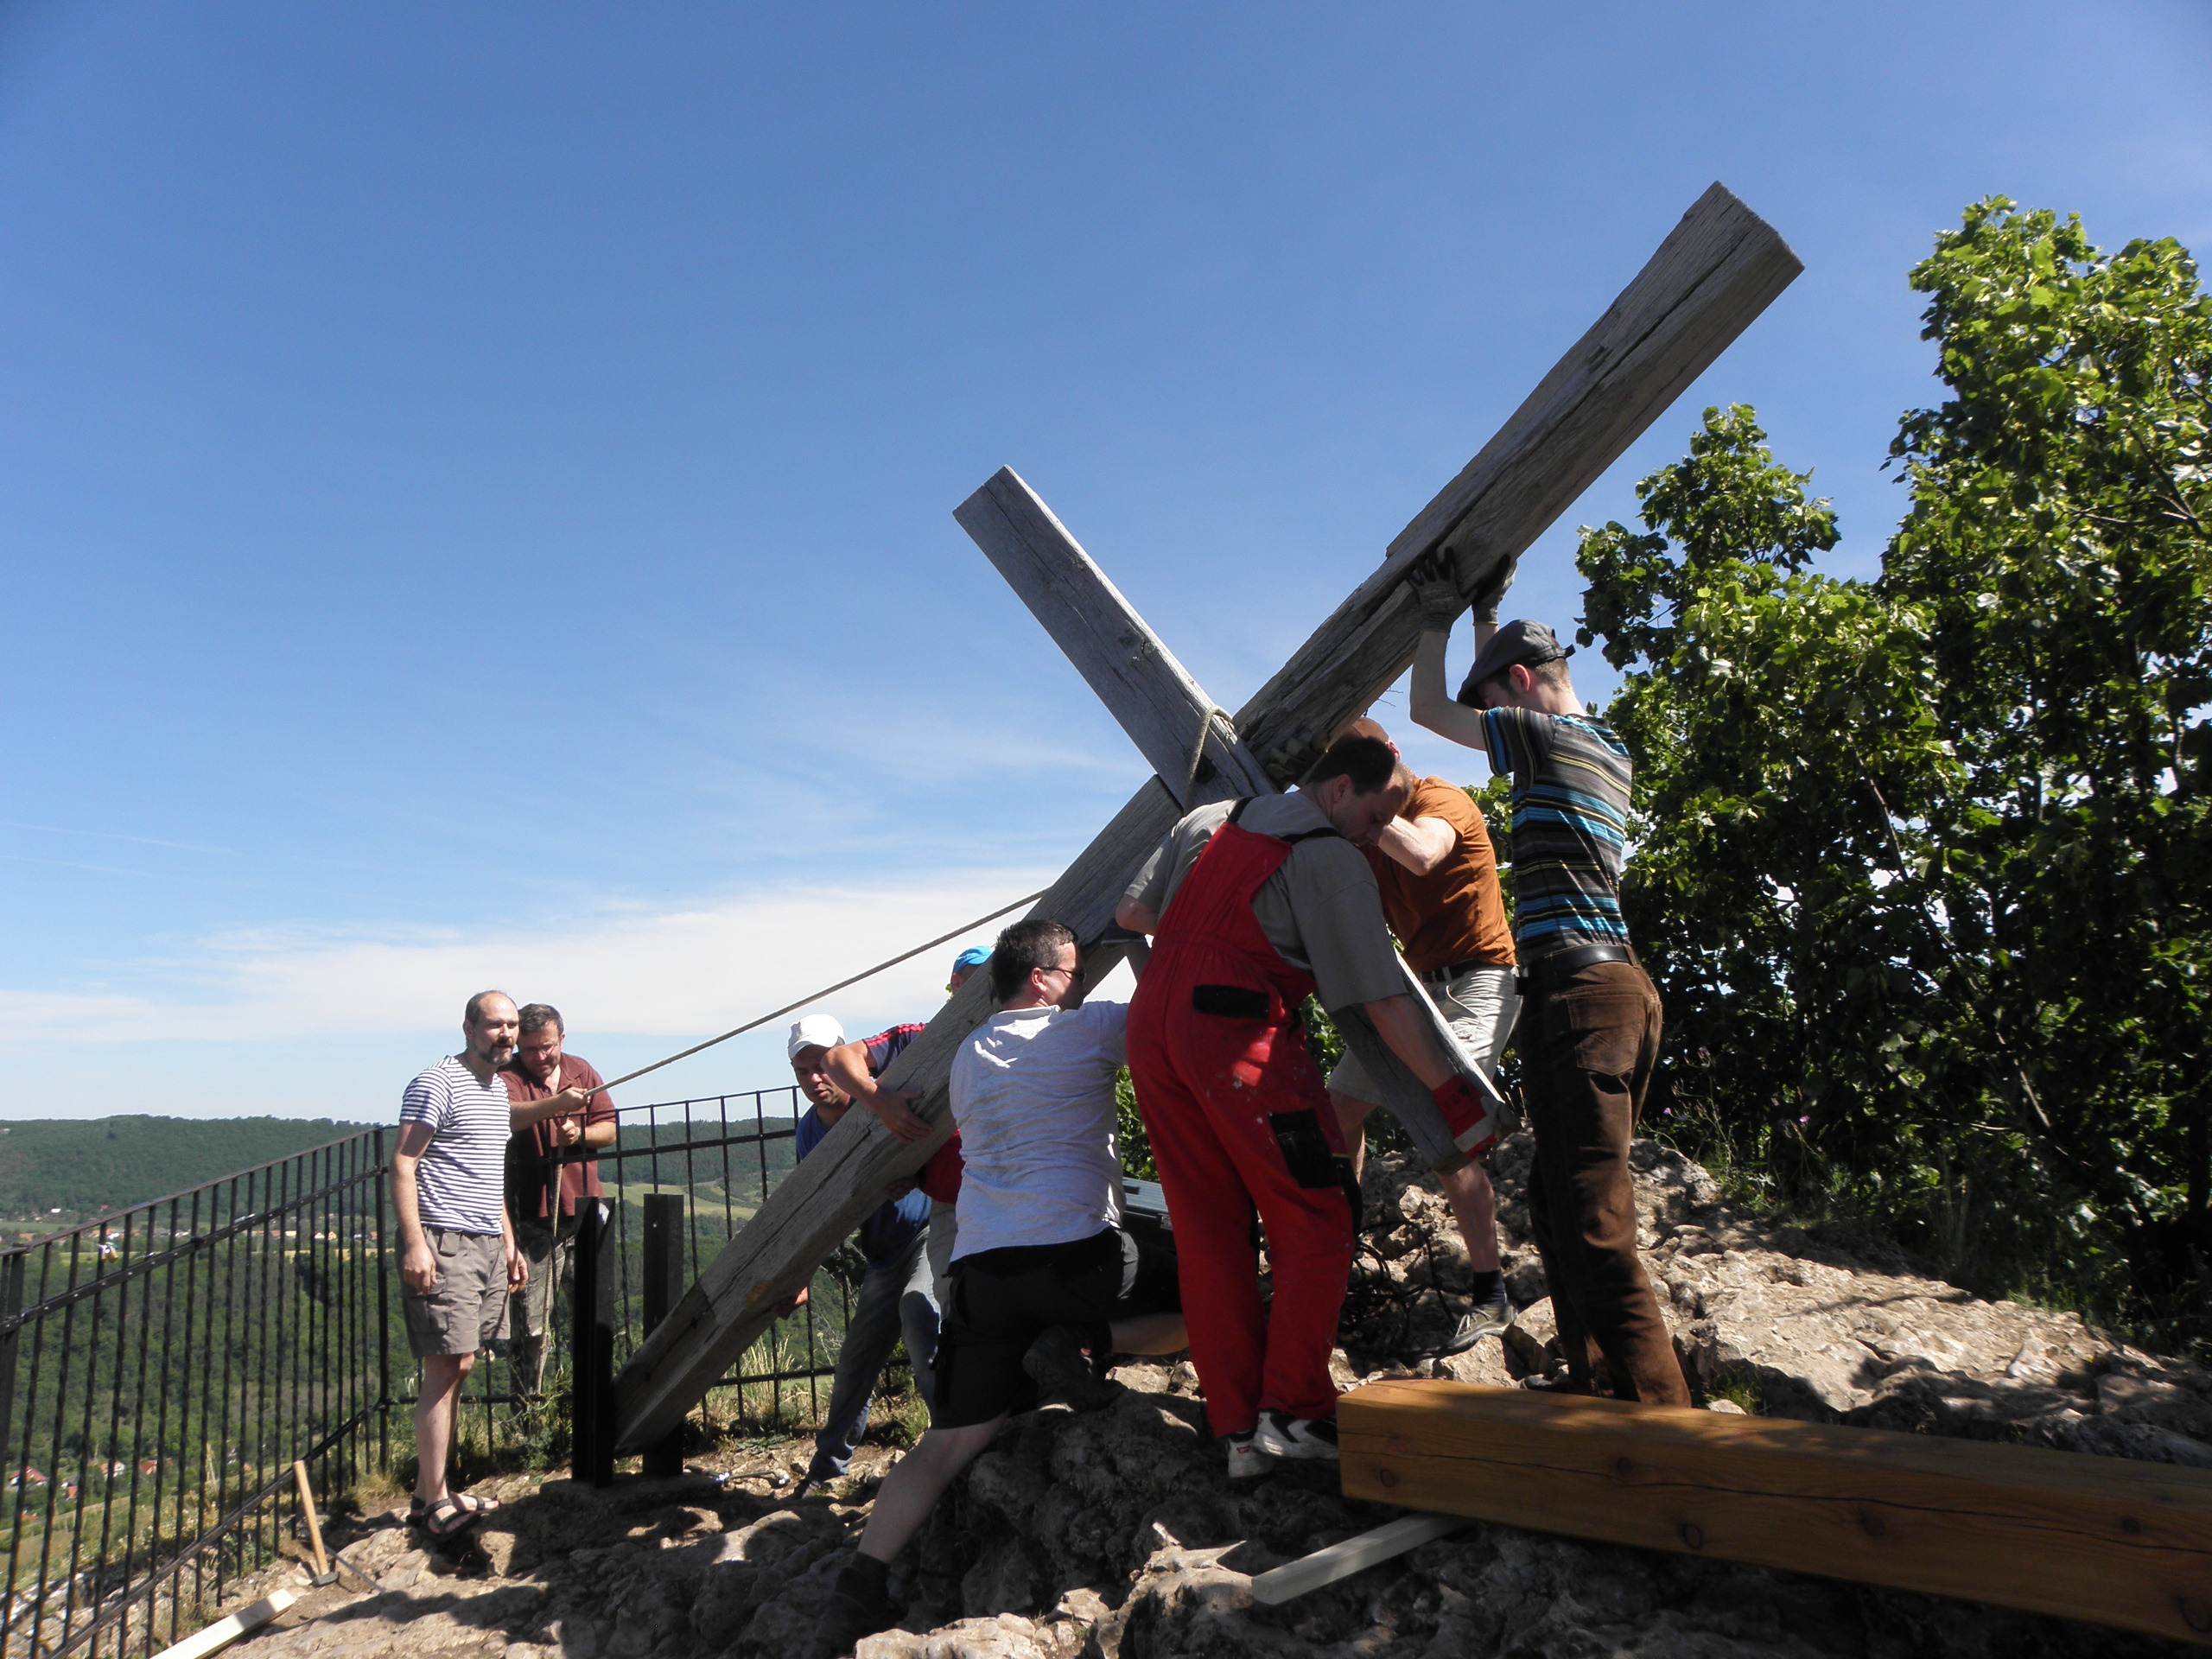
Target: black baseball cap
[1520,641]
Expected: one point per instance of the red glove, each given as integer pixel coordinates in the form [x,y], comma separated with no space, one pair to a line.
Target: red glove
[1467,1114]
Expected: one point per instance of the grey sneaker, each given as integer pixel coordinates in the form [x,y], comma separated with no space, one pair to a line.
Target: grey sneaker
[1488,1320]
[1246,1460]
[1280,1435]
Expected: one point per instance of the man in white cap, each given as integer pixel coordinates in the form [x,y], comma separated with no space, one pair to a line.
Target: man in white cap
[893,1298]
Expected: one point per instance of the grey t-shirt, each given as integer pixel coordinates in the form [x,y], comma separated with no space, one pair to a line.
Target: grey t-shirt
[1322,909]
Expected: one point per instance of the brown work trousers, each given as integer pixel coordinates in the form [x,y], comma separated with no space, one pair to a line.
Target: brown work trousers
[1588,1040]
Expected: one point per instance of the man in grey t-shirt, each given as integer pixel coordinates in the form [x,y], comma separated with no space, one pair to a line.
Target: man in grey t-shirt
[458,1260]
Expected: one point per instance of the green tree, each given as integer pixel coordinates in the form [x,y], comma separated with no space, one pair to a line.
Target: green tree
[1922,862]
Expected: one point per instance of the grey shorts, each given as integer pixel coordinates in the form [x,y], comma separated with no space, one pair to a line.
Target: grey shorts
[468,1308]
[1480,1006]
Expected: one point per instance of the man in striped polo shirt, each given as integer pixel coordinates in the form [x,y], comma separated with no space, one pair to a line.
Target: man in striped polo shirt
[458,1260]
[1589,1016]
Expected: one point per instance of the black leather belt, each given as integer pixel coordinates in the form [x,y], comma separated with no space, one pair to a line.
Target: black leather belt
[1442,975]
[1559,963]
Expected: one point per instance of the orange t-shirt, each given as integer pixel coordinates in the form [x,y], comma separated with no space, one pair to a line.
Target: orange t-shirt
[1455,913]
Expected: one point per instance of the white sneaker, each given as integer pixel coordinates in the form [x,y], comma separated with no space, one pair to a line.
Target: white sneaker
[1280,1435]
[1246,1460]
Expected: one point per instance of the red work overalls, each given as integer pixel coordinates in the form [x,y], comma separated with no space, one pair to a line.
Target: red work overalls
[1239,1121]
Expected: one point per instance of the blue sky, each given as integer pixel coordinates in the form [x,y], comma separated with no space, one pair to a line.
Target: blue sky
[475,482]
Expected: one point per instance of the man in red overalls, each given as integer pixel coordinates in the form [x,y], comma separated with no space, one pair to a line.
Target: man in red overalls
[1256,905]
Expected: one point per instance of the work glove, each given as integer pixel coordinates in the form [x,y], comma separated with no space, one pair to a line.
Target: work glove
[1467,1114]
[1435,585]
[1492,590]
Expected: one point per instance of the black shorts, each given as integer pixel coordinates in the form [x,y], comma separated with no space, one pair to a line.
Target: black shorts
[1002,1301]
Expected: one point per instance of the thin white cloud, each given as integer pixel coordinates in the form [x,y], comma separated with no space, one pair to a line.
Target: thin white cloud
[680,974]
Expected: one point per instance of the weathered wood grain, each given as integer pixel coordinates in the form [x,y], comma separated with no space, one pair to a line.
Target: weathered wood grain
[2102,1538]
[1129,667]
[1718,270]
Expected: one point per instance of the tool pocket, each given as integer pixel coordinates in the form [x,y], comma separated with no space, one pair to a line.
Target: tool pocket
[1231,1001]
[1306,1153]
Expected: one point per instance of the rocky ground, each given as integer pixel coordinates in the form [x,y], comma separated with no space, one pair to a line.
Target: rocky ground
[1115,1533]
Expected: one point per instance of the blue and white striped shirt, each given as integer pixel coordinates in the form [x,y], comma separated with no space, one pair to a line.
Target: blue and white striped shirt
[461,1183]
[1570,778]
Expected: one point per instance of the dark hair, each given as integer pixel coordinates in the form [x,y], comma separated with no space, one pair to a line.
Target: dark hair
[474,1011]
[1555,670]
[535,1016]
[1366,760]
[1022,948]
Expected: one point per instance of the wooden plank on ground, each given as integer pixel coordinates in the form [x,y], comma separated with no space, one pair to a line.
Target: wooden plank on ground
[1340,1561]
[1715,272]
[2102,1538]
[223,1631]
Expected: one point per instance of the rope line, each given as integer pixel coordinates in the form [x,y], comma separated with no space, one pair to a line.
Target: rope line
[827,990]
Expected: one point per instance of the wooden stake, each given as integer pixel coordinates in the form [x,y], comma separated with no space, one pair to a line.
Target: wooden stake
[322,1573]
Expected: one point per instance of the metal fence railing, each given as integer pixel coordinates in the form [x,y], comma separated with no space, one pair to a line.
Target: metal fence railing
[160,1371]
[161,1368]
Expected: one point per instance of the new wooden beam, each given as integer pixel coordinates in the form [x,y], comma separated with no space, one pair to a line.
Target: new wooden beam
[1718,270]
[1164,711]
[2102,1538]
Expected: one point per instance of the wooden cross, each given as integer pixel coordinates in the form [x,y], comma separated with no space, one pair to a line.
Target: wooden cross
[1715,272]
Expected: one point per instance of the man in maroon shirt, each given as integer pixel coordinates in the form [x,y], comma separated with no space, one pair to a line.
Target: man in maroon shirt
[560,1107]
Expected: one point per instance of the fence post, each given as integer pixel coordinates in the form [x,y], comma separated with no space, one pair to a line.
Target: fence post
[591,1427]
[11,1304]
[664,1288]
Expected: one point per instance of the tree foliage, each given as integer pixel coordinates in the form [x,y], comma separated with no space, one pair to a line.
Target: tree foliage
[1922,863]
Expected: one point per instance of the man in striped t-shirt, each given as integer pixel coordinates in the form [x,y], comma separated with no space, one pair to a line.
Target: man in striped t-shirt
[1589,1017]
[458,1262]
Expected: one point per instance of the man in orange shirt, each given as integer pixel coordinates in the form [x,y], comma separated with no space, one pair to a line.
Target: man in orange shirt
[1438,872]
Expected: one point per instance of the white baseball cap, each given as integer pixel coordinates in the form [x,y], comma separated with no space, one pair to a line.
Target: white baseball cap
[815,1031]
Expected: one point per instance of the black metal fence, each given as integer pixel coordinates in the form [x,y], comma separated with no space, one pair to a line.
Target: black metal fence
[160,1371]
[161,1368]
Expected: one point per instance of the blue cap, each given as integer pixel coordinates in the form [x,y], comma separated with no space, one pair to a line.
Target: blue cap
[971,958]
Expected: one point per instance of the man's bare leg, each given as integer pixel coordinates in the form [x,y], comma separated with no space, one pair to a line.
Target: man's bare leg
[915,1484]
[438,1419]
[1466,1189]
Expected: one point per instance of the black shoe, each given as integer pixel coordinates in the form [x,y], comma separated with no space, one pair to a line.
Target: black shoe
[856,1606]
[1064,1371]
